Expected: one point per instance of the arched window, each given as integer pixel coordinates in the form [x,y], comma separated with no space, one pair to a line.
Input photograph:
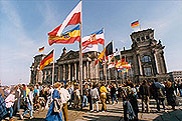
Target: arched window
[143,38]
[147,71]
[146,58]
[147,37]
[138,39]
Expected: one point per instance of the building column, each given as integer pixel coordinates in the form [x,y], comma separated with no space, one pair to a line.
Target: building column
[69,71]
[50,76]
[140,65]
[45,76]
[135,62]
[84,71]
[40,76]
[75,71]
[156,61]
[63,71]
[78,71]
[163,64]
[88,70]
[59,73]
[94,71]
[158,58]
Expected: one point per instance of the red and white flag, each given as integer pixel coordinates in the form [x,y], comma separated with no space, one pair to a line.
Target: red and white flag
[89,48]
[72,19]
[94,38]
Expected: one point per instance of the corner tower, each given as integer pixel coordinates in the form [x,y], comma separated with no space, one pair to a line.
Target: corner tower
[148,56]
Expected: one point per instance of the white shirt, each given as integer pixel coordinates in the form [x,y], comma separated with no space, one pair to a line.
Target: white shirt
[30,96]
[10,100]
[51,91]
[65,96]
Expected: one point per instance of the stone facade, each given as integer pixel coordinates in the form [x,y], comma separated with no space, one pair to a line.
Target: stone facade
[146,57]
[176,76]
[66,68]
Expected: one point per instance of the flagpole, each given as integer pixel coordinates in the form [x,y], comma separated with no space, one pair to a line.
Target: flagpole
[121,62]
[139,25]
[53,69]
[115,68]
[80,55]
[105,71]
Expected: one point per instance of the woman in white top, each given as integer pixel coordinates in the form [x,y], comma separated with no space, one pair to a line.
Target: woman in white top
[10,102]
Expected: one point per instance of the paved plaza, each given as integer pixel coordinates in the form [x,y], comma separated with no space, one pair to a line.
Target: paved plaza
[114,113]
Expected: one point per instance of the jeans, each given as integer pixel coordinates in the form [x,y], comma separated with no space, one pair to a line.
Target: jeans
[30,110]
[18,104]
[114,97]
[85,101]
[11,112]
[180,90]
[159,101]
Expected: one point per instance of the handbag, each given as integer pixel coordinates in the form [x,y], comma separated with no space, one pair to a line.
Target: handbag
[57,106]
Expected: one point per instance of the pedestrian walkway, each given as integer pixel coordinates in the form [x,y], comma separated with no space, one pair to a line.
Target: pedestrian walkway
[114,113]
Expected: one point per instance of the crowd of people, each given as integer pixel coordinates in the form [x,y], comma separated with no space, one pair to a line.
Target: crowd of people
[60,97]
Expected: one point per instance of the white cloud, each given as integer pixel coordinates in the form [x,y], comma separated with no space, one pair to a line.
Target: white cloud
[48,14]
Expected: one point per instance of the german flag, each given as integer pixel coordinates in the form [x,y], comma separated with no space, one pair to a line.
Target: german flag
[41,49]
[135,24]
[47,60]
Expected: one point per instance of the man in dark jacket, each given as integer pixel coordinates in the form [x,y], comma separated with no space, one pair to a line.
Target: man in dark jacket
[158,94]
[145,95]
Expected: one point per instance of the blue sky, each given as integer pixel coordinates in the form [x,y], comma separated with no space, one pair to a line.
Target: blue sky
[24,26]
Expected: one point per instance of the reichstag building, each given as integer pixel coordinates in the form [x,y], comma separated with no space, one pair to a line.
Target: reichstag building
[146,57]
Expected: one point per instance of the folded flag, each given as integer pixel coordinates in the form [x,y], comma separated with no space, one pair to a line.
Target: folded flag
[122,70]
[47,60]
[68,37]
[110,58]
[108,50]
[94,38]
[111,65]
[135,24]
[127,66]
[101,55]
[118,64]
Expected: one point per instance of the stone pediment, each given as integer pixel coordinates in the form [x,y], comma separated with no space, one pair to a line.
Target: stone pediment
[69,56]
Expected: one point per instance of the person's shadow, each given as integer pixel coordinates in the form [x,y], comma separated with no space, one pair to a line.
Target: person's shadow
[175,115]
